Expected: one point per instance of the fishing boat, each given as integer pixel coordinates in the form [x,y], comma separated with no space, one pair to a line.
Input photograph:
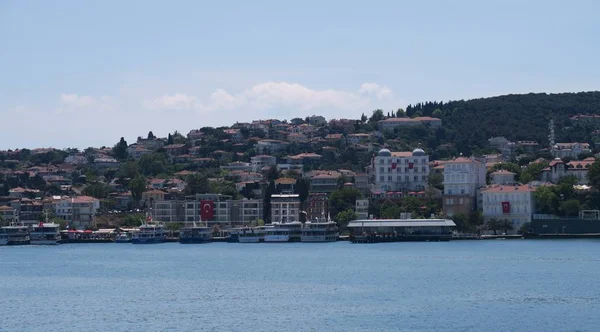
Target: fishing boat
[195,234]
[15,234]
[149,232]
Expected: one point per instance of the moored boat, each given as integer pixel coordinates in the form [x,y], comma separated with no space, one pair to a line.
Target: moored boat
[251,234]
[123,237]
[324,231]
[283,232]
[195,234]
[3,238]
[45,233]
[149,232]
[16,234]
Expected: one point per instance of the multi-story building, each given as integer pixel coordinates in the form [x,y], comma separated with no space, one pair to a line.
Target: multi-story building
[462,177]
[361,182]
[570,150]
[285,208]
[8,214]
[557,169]
[324,181]
[502,176]
[269,146]
[362,208]
[29,210]
[513,203]
[400,171]
[77,211]
[316,206]
[262,160]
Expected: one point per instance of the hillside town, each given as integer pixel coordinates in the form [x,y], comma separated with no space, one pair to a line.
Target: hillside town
[267,171]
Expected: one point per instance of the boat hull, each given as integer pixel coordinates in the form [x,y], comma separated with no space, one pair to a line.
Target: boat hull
[18,242]
[249,239]
[123,241]
[148,240]
[318,238]
[3,242]
[277,238]
[44,242]
[194,241]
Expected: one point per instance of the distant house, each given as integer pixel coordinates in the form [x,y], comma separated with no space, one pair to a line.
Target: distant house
[357,138]
[136,151]
[106,162]
[237,166]
[8,214]
[195,134]
[285,185]
[297,138]
[76,159]
[570,150]
[305,159]
[557,169]
[317,120]
[391,123]
[234,134]
[157,183]
[150,143]
[266,146]
[175,149]
[262,160]
[324,181]
[151,196]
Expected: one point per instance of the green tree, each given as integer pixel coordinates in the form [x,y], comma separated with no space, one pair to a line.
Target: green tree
[377,116]
[474,220]
[461,221]
[273,173]
[267,200]
[129,169]
[343,218]
[151,135]
[436,180]
[570,207]
[196,184]
[137,187]
[302,188]
[594,175]
[437,113]
[532,172]
[343,199]
[363,118]
[98,190]
[525,227]
[120,149]
[546,201]
[506,225]
[493,224]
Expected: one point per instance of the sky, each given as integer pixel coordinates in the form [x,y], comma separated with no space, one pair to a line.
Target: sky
[85,73]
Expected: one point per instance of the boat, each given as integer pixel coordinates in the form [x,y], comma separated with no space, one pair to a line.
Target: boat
[149,232]
[123,237]
[3,238]
[195,234]
[283,232]
[319,231]
[15,234]
[45,233]
[233,236]
[251,234]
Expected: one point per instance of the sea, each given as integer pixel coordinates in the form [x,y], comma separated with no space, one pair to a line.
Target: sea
[492,285]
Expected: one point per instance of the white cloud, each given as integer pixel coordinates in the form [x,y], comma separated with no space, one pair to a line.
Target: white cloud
[76,100]
[277,96]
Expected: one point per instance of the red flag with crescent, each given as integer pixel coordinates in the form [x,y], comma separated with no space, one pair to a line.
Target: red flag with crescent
[505,207]
[207,210]
[393,165]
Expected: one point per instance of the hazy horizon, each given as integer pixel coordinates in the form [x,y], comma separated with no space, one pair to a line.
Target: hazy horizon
[85,74]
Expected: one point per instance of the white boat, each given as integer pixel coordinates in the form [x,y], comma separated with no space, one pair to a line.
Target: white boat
[45,233]
[195,234]
[283,232]
[251,234]
[15,234]
[149,232]
[323,231]
[123,237]
[3,238]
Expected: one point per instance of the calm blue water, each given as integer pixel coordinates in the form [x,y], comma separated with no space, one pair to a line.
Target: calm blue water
[500,285]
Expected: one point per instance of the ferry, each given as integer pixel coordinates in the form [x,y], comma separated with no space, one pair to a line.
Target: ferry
[123,237]
[45,233]
[195,234]
[251,234]
[233,236]
[283,232]
[15,234]
[323,231]
[149,232]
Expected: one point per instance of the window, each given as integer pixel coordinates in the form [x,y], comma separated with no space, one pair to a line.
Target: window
[416,178]
[449,201]
[381,178]
[390,178]
[424,178]
[381,169]
[381,161]
[406,178]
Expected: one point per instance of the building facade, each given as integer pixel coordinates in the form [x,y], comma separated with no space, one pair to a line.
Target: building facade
[462,177]
[317,207]
[285,208]
[400,171]
[513,203]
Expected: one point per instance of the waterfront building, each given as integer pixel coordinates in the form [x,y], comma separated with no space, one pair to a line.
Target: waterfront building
[362,208]
[285,208]
[317,207]
[400,171]
[513,203]
[395,230]
[78,211]
[462,177]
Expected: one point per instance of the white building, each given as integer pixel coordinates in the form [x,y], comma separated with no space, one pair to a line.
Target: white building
[571,150]
[513,203]
[557,169]
[262,160]
[78,211]
[76,159]
[401,171]
[502,176]
[462,177]
[362,208]
[285,208]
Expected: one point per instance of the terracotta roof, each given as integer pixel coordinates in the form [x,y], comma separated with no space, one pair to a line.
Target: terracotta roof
[508,189]
[402,154]
[503,171]
[6,208]
[174,146]
[285,181]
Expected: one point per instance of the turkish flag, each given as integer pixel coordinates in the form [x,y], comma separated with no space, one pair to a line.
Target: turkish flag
[505,207]
[393,165]
[411,165]
[207,210]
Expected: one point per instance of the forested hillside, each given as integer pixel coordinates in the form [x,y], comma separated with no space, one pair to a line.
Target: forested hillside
[469,124]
